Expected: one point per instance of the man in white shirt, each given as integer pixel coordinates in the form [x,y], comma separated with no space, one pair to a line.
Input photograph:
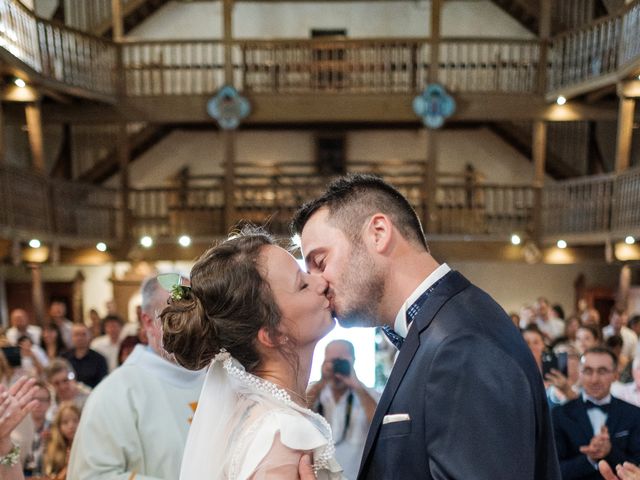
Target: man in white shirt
[550,326]
[136,421]
[629,392]
[108,345]
[346,404]
[596,426]
[57,314]
[618,326]
[20,326]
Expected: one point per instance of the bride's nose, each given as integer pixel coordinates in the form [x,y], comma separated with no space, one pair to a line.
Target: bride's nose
[321,284]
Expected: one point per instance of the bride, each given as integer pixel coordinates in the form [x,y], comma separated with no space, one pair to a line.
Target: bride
[254,318]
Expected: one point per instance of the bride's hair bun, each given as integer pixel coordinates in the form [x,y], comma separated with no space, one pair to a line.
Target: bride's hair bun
[230,302]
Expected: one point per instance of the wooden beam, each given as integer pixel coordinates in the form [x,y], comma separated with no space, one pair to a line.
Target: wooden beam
[2,128]
[123,160]
[436,21]
[625,133]
[229,139]
[431,181]
[36,143]
[227,31]
[37,293]
[117,20]
[544,34]
[331,108]
[539,151]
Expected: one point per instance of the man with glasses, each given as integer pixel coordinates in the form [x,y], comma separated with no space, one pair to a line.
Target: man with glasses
[34,464]
[596,426]
[136,421]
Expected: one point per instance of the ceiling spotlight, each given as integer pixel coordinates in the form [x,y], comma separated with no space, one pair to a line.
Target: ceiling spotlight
[561,100]
[561,244]
[34,243]
[101,246]
[184,240]
[515,239]
[19,83]
[146,241]
[629,240]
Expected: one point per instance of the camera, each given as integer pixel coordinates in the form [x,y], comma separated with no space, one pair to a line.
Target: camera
[557,361]
[12,354]
[342,366]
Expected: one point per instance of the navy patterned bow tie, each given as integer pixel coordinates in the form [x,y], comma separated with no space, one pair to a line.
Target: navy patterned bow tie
[412,313]
[589,405]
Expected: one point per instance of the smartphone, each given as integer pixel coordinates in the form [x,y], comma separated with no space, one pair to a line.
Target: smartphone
[342,366]
[12,354]
[557,361]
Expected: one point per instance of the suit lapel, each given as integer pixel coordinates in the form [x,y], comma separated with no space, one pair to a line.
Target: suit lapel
[450,285]
[581,417]
[614,417]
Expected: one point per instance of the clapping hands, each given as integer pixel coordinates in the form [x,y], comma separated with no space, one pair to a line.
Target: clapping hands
[626,471]
[599,447]
[15,403]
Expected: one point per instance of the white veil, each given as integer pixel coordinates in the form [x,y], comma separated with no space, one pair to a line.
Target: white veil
[202,459]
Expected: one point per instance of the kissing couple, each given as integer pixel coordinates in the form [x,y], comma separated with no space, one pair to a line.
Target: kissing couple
[464,400]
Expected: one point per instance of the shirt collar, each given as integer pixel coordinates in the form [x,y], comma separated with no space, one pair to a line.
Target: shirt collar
[154,364]
[603,401]
[400,325]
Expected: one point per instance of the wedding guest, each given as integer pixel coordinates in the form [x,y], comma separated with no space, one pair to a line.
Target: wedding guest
[345,402]
[63,431]
[51,342]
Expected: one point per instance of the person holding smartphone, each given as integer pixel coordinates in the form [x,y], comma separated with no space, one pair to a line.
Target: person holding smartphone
[345,402]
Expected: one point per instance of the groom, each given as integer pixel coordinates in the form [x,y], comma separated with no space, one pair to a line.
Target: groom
[465,398]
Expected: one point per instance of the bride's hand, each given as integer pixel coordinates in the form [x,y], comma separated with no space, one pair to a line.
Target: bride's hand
[305,468]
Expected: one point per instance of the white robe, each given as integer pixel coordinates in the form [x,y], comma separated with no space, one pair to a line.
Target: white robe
[136,420]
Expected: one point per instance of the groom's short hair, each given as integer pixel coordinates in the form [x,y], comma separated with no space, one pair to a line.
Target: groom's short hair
[352,199]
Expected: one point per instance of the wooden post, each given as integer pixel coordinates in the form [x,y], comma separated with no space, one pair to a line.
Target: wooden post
[539,151]
[436,20]
[544,35]
[118,22]
[625,133]
[37,293]
[228,136]
[227,30]
[123,161]
[431,182]
[34,127]
[229,139]
[2,127]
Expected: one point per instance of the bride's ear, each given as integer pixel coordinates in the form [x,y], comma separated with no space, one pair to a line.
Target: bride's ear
[266,339]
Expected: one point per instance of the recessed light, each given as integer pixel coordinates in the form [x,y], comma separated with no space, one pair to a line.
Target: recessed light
[515,239]
[629,240]
[20,83]
[146,241]
[34,243]
[184,240]
[101,246]
[561,244]
[561,100]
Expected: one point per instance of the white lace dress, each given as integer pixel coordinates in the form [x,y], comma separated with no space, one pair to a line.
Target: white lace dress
[248,428]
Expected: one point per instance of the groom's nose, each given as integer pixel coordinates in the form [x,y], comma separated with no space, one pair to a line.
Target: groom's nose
[321,284]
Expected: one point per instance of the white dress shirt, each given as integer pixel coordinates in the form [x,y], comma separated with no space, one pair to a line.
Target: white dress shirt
[400,325]
[596,416]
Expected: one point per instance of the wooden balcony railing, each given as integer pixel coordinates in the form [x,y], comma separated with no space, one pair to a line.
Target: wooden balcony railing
[391,65]
[596,50]
[58,53]
[488,65]
[33,203]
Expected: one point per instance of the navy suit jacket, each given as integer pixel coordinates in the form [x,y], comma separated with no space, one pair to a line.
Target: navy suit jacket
[473,393]
[573,430]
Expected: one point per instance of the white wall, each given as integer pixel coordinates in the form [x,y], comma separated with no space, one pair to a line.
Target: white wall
[514,284]
[360,19]
[202,152]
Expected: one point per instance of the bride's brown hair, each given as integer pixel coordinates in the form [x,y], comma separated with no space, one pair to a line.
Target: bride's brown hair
[229,303]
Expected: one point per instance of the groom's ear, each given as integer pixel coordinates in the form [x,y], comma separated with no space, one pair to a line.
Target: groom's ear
[379,232]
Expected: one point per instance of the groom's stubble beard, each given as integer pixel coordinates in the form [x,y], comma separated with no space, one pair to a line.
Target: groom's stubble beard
[362,284]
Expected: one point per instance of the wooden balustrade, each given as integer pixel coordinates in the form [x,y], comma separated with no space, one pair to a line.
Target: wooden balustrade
[570,14]
[173,67]
[579,206]
[390,65]
[486,65]
[33,203]
[358,66]
[625,211]
[597,49]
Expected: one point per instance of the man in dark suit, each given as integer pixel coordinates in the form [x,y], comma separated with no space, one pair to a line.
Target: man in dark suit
[596,426]
[465,399]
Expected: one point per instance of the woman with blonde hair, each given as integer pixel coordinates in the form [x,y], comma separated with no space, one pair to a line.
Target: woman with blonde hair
[63,431]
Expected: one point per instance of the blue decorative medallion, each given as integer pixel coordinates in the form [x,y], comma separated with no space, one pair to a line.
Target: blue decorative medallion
[228,107]
[433,105]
